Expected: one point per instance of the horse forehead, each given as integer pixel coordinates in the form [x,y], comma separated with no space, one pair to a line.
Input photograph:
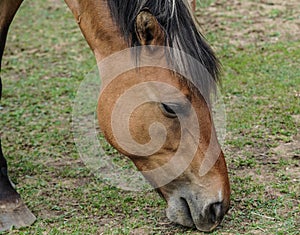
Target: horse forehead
[165,89]
[151,80]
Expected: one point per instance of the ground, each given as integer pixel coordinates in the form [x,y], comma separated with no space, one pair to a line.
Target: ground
[244,23]
[46,58]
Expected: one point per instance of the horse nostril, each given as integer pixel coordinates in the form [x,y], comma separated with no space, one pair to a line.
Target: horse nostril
[216,212]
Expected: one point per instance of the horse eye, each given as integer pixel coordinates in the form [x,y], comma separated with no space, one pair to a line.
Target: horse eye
[168,110]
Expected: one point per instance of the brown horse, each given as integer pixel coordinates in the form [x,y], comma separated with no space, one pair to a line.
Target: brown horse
[195,184]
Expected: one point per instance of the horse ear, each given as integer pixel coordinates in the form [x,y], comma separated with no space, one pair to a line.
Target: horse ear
[148,30]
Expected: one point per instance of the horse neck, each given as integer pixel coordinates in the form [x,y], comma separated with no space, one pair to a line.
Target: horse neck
[97,26]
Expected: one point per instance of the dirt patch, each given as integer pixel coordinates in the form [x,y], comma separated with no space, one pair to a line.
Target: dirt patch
[54,4]
[252,22]
[291,151]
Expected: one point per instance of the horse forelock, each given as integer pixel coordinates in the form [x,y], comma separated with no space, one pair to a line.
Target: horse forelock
[181,32]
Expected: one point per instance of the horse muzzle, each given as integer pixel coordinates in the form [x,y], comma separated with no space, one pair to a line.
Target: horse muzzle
[191,212]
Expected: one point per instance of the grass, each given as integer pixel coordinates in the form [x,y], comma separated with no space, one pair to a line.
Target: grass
[45,61]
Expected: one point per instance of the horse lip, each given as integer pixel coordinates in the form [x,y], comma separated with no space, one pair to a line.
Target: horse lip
[199,226]
[189,213]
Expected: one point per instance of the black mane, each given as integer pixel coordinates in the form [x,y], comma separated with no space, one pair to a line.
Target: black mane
[175,18]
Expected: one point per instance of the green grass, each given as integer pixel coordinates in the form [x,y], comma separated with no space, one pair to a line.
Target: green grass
[45,61]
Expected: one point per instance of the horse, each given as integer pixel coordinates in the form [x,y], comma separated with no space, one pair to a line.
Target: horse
[195,185]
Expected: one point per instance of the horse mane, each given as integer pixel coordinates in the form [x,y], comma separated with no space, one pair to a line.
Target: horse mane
[179,25]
